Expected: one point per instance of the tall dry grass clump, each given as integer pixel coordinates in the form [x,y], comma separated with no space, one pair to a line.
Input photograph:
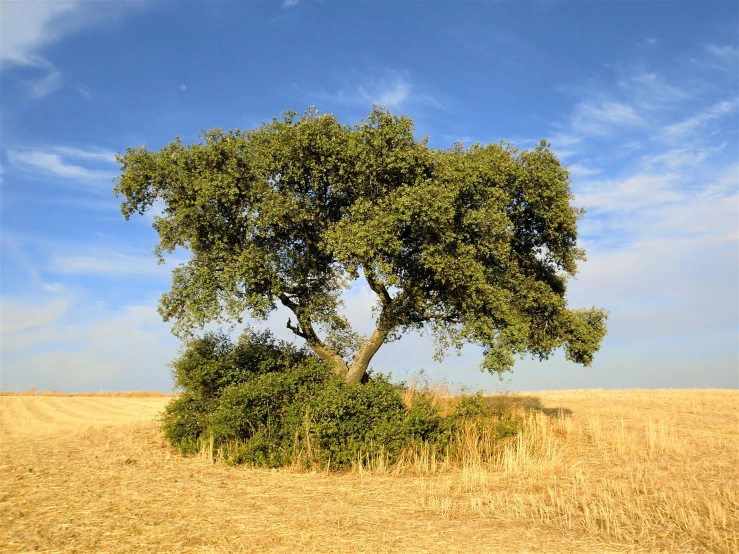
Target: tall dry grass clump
[641,468]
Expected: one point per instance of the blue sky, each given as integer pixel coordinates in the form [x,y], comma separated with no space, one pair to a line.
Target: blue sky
[641,99]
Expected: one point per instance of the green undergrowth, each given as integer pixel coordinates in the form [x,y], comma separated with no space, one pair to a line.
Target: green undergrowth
[263,402]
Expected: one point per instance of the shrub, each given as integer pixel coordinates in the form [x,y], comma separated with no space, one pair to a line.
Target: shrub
[185,420]
[350,422]
[263,402]
[424,422]
[211,363]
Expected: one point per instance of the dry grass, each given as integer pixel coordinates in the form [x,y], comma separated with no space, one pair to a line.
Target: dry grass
[594,471]
[112,394]
[654,469]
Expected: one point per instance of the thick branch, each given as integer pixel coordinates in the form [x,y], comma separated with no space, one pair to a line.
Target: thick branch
[366,352]
[305,330]
[364,355]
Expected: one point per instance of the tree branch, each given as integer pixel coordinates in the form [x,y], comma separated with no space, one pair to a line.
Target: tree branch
[295,329]
[305,330]
[377,287]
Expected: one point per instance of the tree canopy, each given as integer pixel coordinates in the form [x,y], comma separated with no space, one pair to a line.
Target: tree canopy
[475,244]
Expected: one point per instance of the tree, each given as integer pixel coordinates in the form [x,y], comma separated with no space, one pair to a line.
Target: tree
[474,244]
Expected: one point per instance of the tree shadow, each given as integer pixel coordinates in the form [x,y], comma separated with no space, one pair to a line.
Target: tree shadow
[506,402]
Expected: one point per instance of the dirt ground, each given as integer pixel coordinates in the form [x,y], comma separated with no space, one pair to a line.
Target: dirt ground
[92,474]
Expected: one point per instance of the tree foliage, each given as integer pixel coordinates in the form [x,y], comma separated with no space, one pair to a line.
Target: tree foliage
[476,244]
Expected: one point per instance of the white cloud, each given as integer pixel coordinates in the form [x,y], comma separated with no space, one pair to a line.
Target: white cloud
[667,286]
[183,88]
[661,236]
[49,163]
[391,95]
[47,84]
[17,316]
[636,191]
[603,118]
[578,170]
[84,91]
[687,126]
[651,91]
[106,262]
[727,53]
[650,41]
[95,154]
[290,3]
[392,90]
[27,28]
[95,175]
[90,347]
[681,158]
[565,144]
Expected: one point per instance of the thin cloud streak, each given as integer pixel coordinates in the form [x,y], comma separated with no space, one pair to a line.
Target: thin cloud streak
[106,263]
[44,162]
[686,127]
[727,53]
[394,90]
[96,154]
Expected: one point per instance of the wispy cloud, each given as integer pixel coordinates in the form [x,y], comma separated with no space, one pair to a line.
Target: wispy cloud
[633,192]
[650,90]
[650,41]
[601,119]
[19,316]
[727,52]
[680,158]
[578,170]
[74,341]
[687,126]
[46,84]
[95,154]
[27,28]
[52,162]
[106,262]
[290,3]
[393,89]
[84,91]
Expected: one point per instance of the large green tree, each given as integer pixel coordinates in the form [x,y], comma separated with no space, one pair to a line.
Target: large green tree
[475,244]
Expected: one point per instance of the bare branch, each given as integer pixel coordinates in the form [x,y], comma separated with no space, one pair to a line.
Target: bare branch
[295,329]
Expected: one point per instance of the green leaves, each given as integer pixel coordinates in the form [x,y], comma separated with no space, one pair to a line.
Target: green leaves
[475,243]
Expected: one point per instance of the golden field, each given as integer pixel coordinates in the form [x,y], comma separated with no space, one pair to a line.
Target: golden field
[594,471]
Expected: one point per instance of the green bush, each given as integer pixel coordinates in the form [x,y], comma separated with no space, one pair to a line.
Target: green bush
[211,363]
[185,420]
[349,422]
[263,402]
[423,421]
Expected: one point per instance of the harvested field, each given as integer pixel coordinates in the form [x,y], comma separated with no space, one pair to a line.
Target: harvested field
[595,471]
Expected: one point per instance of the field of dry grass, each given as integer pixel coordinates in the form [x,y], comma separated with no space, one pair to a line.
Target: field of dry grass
[594,471]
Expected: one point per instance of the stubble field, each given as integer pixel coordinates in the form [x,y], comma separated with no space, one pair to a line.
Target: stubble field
[593,471]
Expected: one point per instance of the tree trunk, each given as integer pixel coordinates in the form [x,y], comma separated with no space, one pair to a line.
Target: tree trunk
[358,368]
[355,373]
